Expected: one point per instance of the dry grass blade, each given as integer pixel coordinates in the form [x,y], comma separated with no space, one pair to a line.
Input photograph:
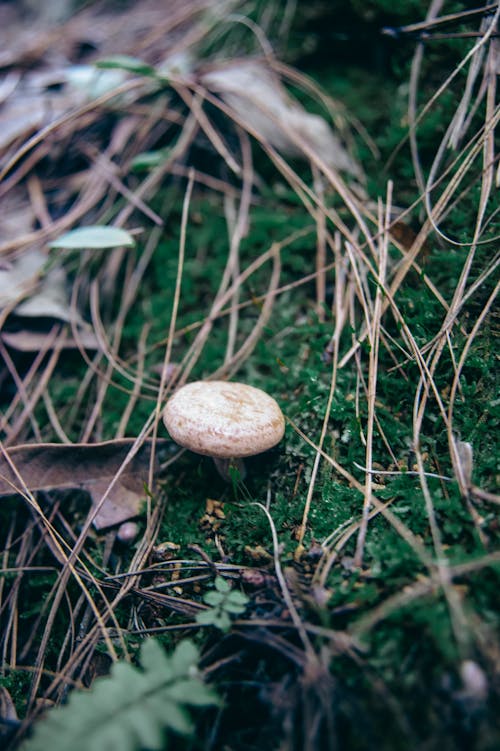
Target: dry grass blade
[374,339]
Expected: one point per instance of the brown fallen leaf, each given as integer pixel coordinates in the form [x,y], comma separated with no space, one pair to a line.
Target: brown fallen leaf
[35,293]
[34,290]
[91,467]
[34,341]
[262,102]
[16,219]
[403,234]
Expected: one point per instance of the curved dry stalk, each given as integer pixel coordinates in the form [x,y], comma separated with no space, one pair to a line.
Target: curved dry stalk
[106,348]
[10,606]
[460,625]
[138,385]
[416,64]
[320,249]
[30,401]
[107,172]
[238,227]
[338,113]
[69,557]
[486,144]
[221,300]
[54,418]
[373,364]
[49,130]
[332,177]
[22,384]
[194,102]
[297,621]
[230,367]
[481,142]
[415,591]
[328,560]
[111,350]
[446,83]
[465,481]
[340,316]
[84,649]
[154,179]
[164,382]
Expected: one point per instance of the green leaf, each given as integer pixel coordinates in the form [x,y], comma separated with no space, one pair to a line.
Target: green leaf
[237,598]
[233,607]
[128,63]
[139,726]
[130,709]
[222,585]
[185,658]
[175,716]
[214,617]
[206,617]
[149,159]
[222,621]
[214,598]
[155,660]
[95,237]
[224,602]
[194,694]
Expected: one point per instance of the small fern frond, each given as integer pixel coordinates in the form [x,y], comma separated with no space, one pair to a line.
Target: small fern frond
[131,708]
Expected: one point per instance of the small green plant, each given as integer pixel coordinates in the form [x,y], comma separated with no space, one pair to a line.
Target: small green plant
[131,708]
[224,602]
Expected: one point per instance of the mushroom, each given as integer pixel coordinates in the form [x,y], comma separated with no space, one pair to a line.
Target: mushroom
[127,532]
[225,420]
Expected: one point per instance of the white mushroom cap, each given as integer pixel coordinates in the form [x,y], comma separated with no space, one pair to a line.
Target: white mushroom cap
[127,532]
[224,420]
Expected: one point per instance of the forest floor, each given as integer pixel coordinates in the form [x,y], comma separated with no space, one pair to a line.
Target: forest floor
[299,200]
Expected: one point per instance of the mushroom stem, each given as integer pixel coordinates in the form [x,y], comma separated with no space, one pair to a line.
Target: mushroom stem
[229,468]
